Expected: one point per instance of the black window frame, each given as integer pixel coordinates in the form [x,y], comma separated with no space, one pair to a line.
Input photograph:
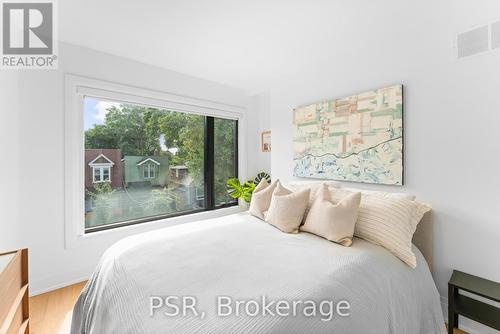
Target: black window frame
[209,179]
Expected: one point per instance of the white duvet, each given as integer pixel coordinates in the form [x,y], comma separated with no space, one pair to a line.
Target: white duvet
[243,258]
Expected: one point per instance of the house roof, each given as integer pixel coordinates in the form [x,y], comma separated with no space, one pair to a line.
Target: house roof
[146,160]
[101,160]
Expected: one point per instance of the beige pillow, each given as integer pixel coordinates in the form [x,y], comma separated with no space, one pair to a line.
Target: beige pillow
[383,193]
[315,188]
[287,208]
[389,222]
[334,222]
[261,198]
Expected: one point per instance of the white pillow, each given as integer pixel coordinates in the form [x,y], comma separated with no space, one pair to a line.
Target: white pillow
[287,208]
[334,222]
[261,198]
[389,222]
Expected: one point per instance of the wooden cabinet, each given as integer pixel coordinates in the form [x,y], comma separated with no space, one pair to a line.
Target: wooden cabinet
[14,302]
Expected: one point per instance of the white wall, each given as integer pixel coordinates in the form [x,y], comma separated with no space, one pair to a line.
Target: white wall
[259,161]
[9,119]
[41,153]
[451,110]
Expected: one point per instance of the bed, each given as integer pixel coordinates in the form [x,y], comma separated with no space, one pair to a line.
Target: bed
[243,258]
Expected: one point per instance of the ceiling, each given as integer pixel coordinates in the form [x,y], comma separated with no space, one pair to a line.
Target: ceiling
[245,44]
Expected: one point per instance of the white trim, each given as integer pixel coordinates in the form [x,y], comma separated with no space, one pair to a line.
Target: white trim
[101,164]
[101,169]
[76,88]
[148,159]
[130,94]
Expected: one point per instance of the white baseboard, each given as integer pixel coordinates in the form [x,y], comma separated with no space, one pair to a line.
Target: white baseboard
[465,324]
[55,282]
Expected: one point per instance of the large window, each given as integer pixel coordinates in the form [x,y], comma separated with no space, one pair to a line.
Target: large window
[144,163]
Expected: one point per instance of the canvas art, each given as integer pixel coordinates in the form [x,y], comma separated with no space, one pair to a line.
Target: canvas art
[357,138]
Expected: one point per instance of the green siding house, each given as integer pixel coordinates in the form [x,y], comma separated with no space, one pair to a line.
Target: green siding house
[145,170]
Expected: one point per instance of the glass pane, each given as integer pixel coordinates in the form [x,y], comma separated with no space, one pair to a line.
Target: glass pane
[105,174]
[225,157]
[133,138]
[97,174]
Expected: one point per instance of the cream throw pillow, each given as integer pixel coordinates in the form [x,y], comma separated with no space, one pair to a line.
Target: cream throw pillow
[389,222]
[287,208]
[315,187]
[334,222]
[261,198]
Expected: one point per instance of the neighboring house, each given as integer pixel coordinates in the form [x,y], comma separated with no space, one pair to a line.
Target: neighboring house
[180,175]
[103,165]
[142,170]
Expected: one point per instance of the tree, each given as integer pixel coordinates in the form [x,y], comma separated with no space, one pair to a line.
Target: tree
[225,156]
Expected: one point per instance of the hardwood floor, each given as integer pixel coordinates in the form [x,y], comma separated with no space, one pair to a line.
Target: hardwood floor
[50,313]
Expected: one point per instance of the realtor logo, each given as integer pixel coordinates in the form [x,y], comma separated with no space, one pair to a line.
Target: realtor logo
[28,35]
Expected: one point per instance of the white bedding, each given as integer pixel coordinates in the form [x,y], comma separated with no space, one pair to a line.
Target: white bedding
[244,258]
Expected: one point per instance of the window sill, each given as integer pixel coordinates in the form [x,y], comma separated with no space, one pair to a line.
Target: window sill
[109,236]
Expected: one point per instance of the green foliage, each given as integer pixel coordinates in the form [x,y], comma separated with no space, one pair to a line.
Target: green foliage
[224,157]
[161,200]
[100,190]
[101,195]
[133,129]
[244,191]
[237,190]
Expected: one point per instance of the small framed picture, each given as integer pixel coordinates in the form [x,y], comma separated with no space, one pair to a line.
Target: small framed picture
[266,141]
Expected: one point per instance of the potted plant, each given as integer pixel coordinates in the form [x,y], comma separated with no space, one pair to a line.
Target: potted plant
[244,191]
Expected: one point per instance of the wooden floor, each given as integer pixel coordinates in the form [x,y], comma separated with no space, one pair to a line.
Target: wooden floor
[50,313]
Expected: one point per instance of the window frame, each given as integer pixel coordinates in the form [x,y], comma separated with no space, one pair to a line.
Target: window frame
[149,171]
[101,173]
[77,88]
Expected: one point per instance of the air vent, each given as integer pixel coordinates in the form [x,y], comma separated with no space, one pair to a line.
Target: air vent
[472,42]
[495,35]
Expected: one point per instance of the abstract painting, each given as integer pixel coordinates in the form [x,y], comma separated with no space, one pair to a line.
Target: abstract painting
[357,138]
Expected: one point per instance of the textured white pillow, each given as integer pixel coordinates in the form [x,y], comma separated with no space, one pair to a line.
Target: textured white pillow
[334,222]
[261,198]
[389,222]
[287,208]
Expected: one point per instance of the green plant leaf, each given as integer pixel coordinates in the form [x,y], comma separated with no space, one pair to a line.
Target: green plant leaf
[248,189]
[234,188]
[262,175]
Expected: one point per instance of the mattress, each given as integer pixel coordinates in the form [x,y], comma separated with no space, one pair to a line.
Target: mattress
[239,263]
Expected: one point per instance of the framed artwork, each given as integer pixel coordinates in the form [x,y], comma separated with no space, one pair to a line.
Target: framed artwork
[356,138]
[266,141]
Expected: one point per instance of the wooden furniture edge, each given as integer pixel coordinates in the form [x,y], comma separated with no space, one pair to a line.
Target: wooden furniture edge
[22,297]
